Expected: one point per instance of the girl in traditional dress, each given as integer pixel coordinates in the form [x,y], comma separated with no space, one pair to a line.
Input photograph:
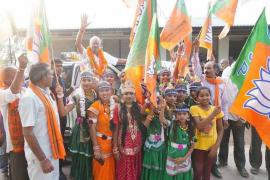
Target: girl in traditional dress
[167,114]
[180,146]
[102,134]
[154,151]
[81,146]
[130,129]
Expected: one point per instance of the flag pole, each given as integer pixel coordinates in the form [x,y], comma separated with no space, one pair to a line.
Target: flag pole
[53,63]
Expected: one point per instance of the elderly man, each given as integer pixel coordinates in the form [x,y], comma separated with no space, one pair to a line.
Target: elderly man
[40,121]
[94,56]
[216,86]
[13,79]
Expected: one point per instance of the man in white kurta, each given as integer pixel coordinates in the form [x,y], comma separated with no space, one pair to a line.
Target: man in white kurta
[33,113]
[41,164]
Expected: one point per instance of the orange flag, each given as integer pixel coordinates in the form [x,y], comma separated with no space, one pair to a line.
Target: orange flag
[137,18]
[251,75]
[206,37]
[182,61]
[152,60]
[225,10]
[253,100]
[136,58]
[38,35]
[177,27]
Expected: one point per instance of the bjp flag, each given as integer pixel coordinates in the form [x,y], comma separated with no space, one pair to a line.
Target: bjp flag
[253,100]
[182,61]
[137,18]
[225,10]
[206,36]
[136,58]
[152,60]
[38,35]
[177,27]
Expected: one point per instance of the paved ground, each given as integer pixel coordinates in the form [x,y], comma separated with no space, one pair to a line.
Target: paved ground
[230,172]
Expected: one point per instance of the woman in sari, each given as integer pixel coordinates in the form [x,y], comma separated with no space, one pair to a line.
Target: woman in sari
[102,134]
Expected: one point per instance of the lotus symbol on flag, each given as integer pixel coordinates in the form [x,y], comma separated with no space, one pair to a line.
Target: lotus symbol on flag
[260,96]
[151,67]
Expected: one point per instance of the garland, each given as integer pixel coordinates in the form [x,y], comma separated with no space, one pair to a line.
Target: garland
[97,68]
[82,103]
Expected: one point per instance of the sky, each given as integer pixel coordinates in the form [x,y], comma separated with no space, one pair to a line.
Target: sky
[65,14]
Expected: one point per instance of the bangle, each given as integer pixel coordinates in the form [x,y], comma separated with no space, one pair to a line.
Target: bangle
[115,150]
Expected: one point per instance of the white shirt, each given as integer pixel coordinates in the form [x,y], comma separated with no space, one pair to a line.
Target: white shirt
[226,73]
[6,97]
[222,97]
[231,91]
[33,114]
[85,60]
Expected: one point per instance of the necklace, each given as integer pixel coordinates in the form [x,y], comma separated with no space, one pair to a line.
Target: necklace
[132,127]
[184,128]
[106,109]
[129,106]
[90,94]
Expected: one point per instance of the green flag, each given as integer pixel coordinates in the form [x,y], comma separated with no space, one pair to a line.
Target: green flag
[241,66]
[137,52]
[136,58]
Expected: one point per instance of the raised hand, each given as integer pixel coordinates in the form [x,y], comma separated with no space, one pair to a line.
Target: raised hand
[163,103]
[22,61]
[84,22]
[217,110]
[196,45]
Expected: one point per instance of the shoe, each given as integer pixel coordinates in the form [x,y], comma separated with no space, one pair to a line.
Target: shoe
[222,164]
[62,176]
[254,171]
[215,171]
[243,172]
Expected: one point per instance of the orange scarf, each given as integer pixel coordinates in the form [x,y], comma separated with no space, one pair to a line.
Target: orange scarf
[215,81]
[98,69]
[15,127]
[55,136]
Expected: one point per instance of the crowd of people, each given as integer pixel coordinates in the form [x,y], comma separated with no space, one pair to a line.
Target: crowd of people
[184,137]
